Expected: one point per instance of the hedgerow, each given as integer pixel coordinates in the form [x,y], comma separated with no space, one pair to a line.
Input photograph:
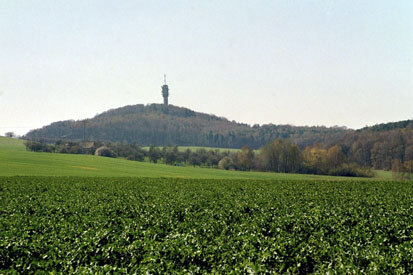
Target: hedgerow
[139,225]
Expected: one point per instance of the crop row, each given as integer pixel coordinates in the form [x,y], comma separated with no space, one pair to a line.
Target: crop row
[133,225]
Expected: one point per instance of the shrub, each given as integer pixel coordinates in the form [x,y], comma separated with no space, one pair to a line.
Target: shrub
[36,146]
[351,170]
[226,163]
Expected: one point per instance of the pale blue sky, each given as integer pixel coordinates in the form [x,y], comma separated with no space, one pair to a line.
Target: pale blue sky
[302,62]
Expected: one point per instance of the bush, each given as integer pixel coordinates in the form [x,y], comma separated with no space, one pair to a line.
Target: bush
[138,156]
[351,170]
[36,146]
[106,152]
[226,163]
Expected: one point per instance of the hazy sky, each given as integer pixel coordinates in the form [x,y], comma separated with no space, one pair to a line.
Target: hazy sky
[301,62]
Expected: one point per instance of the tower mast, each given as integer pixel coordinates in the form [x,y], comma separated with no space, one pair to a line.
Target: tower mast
[165,91]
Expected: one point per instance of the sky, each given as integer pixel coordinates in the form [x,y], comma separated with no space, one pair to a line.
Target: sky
[343,62]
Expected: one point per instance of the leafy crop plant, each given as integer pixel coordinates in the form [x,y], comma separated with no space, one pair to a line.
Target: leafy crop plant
[158,226]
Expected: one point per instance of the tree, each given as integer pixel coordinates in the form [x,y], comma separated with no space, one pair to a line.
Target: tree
[225,163]
[315,159]
[203,155]
[397,170]
[186,154]
[170,154]
[335,157]
[194,159]
[245,159]
[408,167]
[154,154]
[137,155]
[280,156]
[214,157]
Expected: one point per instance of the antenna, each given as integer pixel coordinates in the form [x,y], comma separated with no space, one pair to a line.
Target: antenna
[165,91]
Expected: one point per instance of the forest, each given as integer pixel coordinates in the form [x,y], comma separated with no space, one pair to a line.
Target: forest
[160,125]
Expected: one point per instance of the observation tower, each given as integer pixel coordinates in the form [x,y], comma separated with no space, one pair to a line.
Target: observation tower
[165,91]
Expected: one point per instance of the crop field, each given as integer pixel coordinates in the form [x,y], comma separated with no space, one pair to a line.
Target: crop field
[139,225]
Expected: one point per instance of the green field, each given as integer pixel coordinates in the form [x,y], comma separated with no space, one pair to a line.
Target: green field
[383,174]
[161,226]
[16,161]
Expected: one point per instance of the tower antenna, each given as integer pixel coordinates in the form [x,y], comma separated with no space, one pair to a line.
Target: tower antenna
[165,91]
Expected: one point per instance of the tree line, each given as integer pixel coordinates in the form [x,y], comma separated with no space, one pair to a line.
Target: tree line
[279,155]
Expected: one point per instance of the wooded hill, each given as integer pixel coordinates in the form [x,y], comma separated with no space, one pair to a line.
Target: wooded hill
[377,146]
[161,125]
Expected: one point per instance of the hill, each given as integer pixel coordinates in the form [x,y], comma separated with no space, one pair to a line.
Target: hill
[160,125]
[404,124]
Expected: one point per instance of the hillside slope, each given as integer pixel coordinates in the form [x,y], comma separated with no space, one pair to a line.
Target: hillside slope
[403,124]
[157,124]
[16,161]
